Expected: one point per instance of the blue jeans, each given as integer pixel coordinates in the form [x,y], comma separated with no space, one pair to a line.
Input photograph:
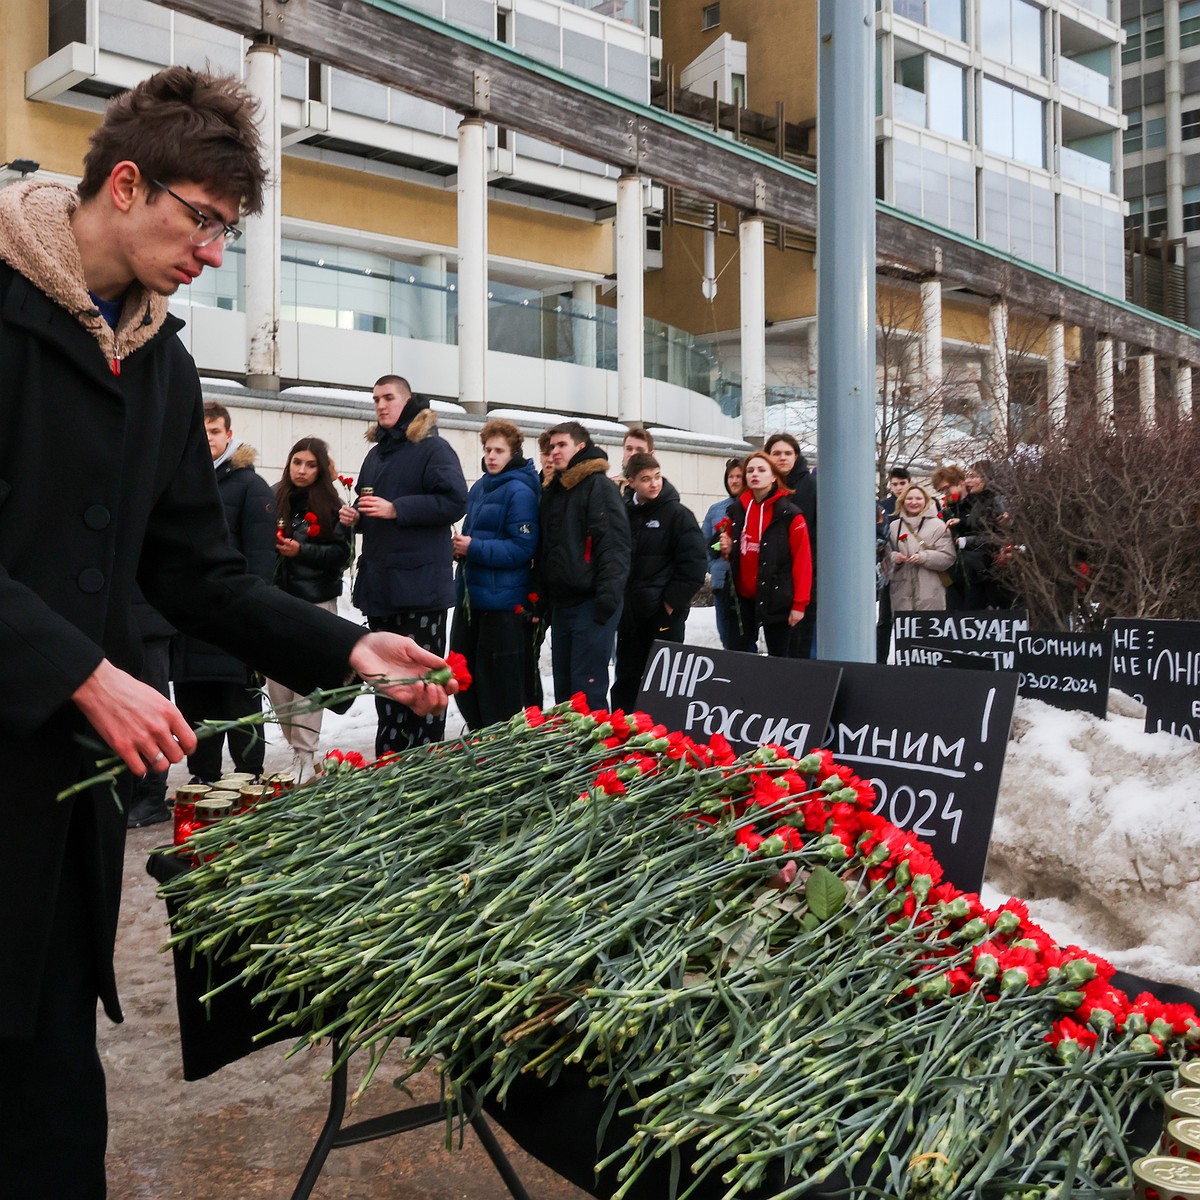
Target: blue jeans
[580,651]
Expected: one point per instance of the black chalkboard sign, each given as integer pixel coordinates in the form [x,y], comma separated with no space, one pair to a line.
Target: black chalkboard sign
[932,741]
[1158,664]
[926,638]
[751,701]
[1067,670]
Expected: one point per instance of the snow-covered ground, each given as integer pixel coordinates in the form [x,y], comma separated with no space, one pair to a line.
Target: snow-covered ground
[1098,824]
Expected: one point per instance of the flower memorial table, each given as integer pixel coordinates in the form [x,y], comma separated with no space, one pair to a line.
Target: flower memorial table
[731,975]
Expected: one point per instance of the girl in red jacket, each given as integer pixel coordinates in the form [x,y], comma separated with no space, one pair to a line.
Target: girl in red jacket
[770,562]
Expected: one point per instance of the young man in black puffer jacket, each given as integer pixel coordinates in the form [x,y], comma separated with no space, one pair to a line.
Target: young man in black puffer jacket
[667,570]
[582,563]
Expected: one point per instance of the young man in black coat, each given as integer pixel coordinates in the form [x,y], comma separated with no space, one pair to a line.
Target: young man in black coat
[582,563]
[106,480]
[668,565]
[211,685]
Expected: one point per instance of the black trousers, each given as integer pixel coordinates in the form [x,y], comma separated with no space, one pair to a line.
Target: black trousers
[53,1108]
[633,649]
[399,727]
[783,640]
[497,647]
[206,701]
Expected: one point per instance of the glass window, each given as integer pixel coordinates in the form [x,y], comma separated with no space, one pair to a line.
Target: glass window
[997,118]
[1131,52]
[710,16]
[1027,37]
[1191,209]
[1029,129]
[1156,216]
[1191,123]
[1156,133]
[946,16]
[1012,32]
[1014,124]
[1189,24]
[68,23]
[947,98]
[1132,139]
[1152,35]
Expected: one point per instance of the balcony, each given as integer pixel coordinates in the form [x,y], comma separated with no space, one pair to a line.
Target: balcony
[629,11]
[1102,8]
[1084,169]
[1083,81]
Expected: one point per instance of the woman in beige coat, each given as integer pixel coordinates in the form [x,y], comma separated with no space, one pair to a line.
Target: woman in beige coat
[919,550]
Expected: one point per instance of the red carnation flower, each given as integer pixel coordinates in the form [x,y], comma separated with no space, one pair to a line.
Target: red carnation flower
[311,517]
[458,668]
[313,530]
[519,609]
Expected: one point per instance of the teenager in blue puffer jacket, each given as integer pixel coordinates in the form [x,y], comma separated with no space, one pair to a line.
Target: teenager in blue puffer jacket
[494,552]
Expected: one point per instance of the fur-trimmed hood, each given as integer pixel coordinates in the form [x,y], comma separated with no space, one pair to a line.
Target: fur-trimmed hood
[591,460]
[243,456]
[36,239]
[417,422]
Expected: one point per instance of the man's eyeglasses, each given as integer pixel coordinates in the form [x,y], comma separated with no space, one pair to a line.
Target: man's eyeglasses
[208,228]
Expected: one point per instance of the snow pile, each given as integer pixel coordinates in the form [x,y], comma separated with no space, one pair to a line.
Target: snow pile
[1098,826]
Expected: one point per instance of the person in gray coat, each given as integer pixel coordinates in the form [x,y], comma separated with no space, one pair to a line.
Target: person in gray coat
[919,551]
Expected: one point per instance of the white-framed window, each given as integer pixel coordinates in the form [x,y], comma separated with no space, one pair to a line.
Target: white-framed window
[1013,123]
[930,92]
[1013,31]
[946,16]
[710,16]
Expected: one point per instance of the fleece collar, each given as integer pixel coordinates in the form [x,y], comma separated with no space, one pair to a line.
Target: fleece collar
[416,423]
[36,239]
[588,461]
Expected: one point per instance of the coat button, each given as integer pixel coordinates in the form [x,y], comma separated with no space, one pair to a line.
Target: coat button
[97,517]
[91,580]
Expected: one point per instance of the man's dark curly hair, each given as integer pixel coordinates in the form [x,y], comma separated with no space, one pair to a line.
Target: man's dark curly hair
[182,124]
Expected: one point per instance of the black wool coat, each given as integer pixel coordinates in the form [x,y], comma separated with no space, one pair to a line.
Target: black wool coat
[105,480]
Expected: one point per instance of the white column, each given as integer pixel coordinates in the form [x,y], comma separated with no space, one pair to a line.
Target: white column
[931,335]
[1105,388]
[264,232]
[1056,373]
[752,256]
[434,303]
[1173,98]
[997,362]
[1146,388]
[631,306]
[1183,390]
[583,322]
[472,264]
